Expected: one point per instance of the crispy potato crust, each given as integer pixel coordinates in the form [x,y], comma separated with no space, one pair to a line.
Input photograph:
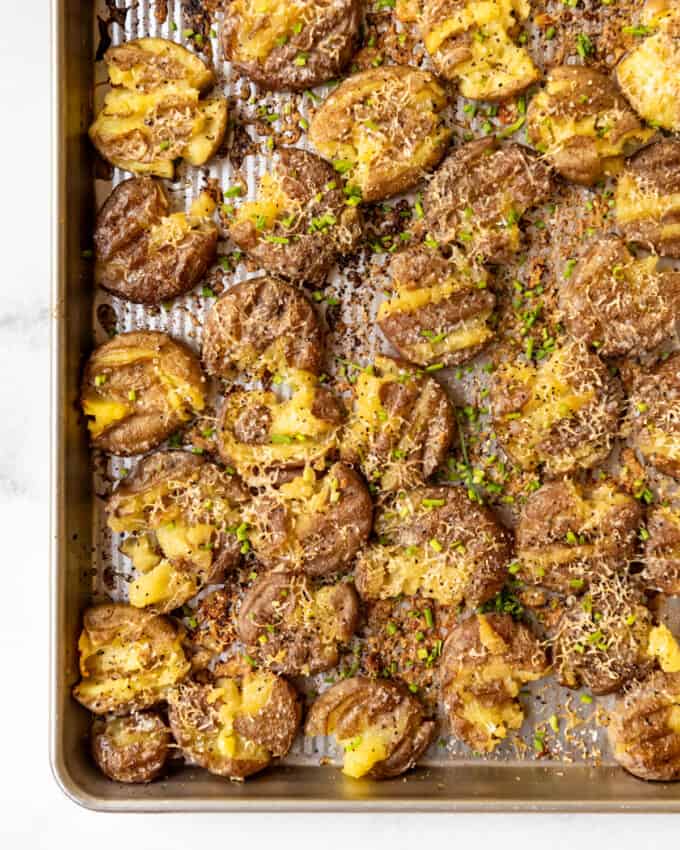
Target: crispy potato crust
[662,550]
[131,749]
[654,413]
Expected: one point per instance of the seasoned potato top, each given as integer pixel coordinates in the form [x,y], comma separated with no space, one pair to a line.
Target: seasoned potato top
[647,200]
[383,128]
[436,542]
[261,431]
[153,114]
[486,659]
[236,725]
[291,44]
[144,252]
[583,124]
[303,218]
[184,515]
[648,75]
[400,426]
[128,659]
[560,412]
[618,303]
[568,533]
[654,416]
[440,310]
[133,748]
[662,550]
[137,389]
[312,523]
[379,725]
[293,628]
[478,196]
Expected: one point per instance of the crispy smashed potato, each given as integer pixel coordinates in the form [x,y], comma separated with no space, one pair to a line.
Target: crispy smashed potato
[260,431]
[153,114]
[662,550]
[145,253]
[314,523]
[262,325]
[182,515]
[568,533]
[128,659]
[236,725]
[647,199]
[302,219]
[583,125]
[379,724]
[434,541]
[620,304]
[480,193]
[486,660]
[131,749]
[654,415]
[383,128]
[440,310]
[291,44]
[137,389]
[400,426]
[294,629]
[648,75]
[560,413]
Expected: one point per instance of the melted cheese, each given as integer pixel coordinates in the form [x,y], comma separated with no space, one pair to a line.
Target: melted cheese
[272,202]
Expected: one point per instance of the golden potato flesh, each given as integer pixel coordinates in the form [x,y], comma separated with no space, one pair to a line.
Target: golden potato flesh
[133,748]
[236,725]
[383,128]
[560,412]
[485,662]
[153,114]
[474,42]
[137,389]
[583,125]
[128,659]
[182,515]
[379,724]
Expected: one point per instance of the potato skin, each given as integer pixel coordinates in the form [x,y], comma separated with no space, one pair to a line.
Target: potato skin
[141,760]
[617,303]
[653,413]
[273,610]
[480,176]
[128,265]
[256,322]
[640,734]
[148,418]
[311,246]
[327,41]
[662,551]
[361,703]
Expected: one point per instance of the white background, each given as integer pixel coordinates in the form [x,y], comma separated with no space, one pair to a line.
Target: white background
[33,812]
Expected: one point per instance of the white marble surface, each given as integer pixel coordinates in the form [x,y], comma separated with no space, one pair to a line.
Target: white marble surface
[33,813]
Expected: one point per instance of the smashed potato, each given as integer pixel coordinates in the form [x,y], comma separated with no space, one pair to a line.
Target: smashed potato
[260,432]
[560,413]
[654,416]
[583,125]
[485,662]
[312,523]
[436,542]
[568,533]
[262,325]
[129,659]
[131,749]
[302,219]
[379,724]
[153,113]
[662,550]
[294,629]
[137,389]
[400,426]
[620,304]
[146,254]
[441,309]
[291,44]
[236,725]
[183,515]
[383,128]
[480,193]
